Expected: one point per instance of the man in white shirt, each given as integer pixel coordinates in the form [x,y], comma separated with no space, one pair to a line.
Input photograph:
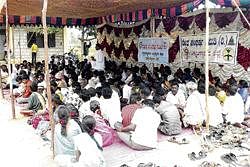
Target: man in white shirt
[194,111]
[214,108]
[110,106]
[234,106]
[141,134]
[99,59]
[176,95]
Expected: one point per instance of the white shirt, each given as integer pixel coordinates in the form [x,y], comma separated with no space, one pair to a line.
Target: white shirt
[124,76]
[84,110]
[179,98]
[234,108]
[195,109]
[215,111]
[147,121]
[129,79]
[99,63]
[126,91]
[111,109]
[91,155]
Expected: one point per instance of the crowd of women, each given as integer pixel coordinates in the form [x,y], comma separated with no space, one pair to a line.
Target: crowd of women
[92,107]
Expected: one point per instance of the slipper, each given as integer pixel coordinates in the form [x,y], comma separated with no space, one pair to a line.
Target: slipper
[177,141]
[192,156]
[209,164]
[124,165]
[229,158]
[201,155]
[27,113]
[141,165]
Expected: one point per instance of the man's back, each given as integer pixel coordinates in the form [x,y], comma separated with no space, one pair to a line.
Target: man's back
[34,48]
[147,122]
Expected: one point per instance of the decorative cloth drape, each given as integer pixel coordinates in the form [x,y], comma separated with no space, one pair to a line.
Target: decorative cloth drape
[120,42]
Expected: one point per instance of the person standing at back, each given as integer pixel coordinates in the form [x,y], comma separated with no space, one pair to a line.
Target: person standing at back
[34,50]
[99,59]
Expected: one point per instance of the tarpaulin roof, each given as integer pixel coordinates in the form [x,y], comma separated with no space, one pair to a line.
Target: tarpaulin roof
[92,12]
[86,8]
[72,20]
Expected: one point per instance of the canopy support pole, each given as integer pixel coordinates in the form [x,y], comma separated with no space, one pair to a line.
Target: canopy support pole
[45,32]
[207,63]
[241,12]
[1,88]
[9,62]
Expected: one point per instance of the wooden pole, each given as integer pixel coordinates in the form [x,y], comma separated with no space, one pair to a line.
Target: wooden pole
[9,62]
[19,44]
[45,32]
[1,88]
[152,27]
[241,12]
[207,64]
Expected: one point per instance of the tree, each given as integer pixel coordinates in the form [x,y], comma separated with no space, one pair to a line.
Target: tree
[89,33]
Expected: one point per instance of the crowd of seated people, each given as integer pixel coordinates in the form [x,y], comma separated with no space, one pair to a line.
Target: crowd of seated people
[90,105]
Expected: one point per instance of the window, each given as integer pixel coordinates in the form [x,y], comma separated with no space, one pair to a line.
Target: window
[39,39]
[2,31]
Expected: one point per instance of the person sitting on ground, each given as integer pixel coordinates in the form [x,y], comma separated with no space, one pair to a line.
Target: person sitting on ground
[108,99]
[27,92]
[194,111]
[36,101]
[220,93]
[171,122]
[144,126]
[20,89]
[60,80]
[102,126]
[88,150]
[65,130]
[146,93]
[74,114]
[176,96]
[55,89]
[128,111]
[233,107]
[243,90]
[214,108]
[84,108]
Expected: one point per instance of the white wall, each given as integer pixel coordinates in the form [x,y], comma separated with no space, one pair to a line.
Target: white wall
[20,34]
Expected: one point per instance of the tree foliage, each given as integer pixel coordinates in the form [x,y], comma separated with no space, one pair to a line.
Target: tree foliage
[89,33]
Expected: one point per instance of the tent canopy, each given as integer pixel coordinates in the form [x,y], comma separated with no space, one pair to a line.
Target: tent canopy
[86,8]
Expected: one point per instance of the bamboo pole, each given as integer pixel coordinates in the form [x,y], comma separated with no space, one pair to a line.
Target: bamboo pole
[241,13]
[207,64]
[45,32]
[9,62]
[1,88]
[152,28]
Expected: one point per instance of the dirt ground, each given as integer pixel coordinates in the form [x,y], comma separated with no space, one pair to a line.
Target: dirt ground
[19,145]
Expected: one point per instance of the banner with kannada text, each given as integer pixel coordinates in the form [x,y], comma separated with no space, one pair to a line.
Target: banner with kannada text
[223,47]
[153,50]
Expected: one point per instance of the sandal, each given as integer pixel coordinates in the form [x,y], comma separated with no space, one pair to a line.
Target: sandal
[209,164]
[229,158]
[202,154]
[182,141]
[192,156]
[124,165]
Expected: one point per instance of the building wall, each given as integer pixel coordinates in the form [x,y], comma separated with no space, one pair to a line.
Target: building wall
[20,36]
[2,39]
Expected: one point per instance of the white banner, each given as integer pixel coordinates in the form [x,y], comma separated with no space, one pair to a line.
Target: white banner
[223,47]
[153,50]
